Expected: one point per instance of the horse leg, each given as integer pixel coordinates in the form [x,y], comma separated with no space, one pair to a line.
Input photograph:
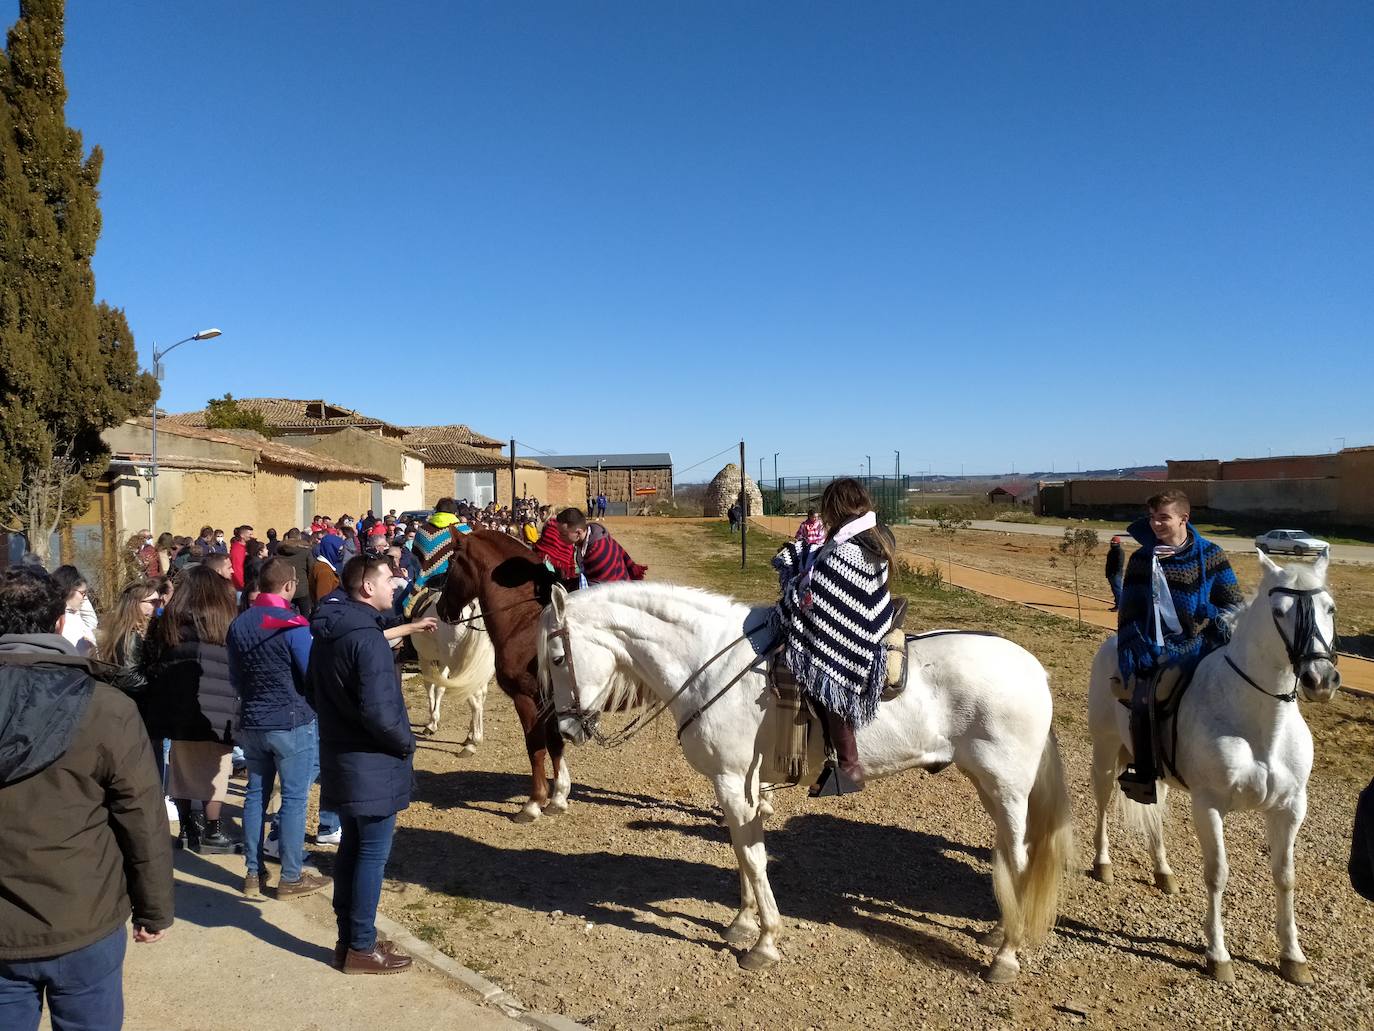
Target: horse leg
[1164,874]
[436,699]
[1281,828]
[536,747]
[1207,821]
[474,725]
[562,775]
[746,835]
[478,704]
[1106,766]
[1008,811]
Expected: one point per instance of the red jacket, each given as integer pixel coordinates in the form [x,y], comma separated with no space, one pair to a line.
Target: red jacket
[558,551]
[238,551]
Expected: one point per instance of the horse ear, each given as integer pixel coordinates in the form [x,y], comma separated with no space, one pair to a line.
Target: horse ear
[1267,564]
[1319,566]
[558,598]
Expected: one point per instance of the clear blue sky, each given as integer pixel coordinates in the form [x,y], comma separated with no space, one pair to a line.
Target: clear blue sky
[986,234]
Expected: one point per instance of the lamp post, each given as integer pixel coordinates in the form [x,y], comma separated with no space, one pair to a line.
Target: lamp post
[899,464]
[204,334]
[870,466]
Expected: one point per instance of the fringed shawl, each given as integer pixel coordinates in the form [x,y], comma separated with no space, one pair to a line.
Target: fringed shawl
[833,627]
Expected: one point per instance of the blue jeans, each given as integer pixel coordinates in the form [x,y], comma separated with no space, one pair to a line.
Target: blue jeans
[358,870]
[1116,581]
[294,756]
[85,988]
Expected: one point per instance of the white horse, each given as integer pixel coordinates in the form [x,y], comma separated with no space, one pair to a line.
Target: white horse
[457,657]
[978,701]
[1242,744]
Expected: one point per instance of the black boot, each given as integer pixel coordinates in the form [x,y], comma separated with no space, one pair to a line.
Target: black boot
[845,775]
[213,840]
[1138,779]
[188,830]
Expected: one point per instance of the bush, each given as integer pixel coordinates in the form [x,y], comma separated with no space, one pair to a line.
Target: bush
[1016,515]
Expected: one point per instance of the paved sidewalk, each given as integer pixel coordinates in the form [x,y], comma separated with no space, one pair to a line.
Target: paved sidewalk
[235,965]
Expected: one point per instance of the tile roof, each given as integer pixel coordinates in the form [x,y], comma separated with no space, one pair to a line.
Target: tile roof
[465,456]
[292,413]
[649,460]
[453,433]
[268,450]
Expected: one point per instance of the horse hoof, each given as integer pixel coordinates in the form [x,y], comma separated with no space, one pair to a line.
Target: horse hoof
[557,807]
[528,813]
[430,730]
[758,959]
[468,749]
[1166,882]
[1002,971]
[1221,970]
[765,809]
[1102,872]
[740,934]
[1295,971]
[992,938]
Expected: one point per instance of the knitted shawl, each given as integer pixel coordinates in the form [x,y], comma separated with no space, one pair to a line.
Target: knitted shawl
[832,627]
[557,551]
[433,548]
[1206,598]
[605,561]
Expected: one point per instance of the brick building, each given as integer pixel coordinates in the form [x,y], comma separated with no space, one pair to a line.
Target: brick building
[623,478]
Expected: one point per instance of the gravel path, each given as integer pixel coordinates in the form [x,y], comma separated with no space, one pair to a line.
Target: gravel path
[611,914]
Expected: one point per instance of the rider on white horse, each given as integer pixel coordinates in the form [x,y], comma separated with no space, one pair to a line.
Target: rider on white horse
[1178,602]
[834,612]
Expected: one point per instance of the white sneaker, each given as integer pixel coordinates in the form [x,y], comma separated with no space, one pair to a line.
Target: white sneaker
[332,838]
[271,848]
[172,815]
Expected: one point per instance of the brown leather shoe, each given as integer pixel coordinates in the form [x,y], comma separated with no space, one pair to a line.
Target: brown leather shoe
[385,958]
[307,885]
[341,949]
[252,887]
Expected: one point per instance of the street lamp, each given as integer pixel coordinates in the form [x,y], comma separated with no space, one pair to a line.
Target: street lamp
[204,334]
[899,464]
[870,466]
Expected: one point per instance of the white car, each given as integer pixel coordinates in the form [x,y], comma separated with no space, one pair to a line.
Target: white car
[1291,542]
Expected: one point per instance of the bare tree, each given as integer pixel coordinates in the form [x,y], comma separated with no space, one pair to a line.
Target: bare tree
[1077,545]
[45,498]
[948,523]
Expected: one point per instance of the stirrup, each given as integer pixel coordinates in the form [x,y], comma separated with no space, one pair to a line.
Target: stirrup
[833,781]
[1137,790]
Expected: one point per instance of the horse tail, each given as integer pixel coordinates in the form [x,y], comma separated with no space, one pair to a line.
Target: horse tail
[1049,844]
[1147,821]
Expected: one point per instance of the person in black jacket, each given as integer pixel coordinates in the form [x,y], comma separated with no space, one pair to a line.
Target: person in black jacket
[366,749]
[191,701]
[295,549]
[1116,570]
[83,832]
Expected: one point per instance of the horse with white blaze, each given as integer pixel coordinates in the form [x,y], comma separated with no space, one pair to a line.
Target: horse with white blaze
[1241,744]
[980,702]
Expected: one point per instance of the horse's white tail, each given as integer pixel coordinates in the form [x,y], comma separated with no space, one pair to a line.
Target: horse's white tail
[1144,820]
[1049,845]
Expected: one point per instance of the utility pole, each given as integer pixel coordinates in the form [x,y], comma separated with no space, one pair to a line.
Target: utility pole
[899,464]
[743,512]
[512,472]
[760,481]
[870,465]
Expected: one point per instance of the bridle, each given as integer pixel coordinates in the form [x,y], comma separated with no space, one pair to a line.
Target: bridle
[590,719]
[1307,643]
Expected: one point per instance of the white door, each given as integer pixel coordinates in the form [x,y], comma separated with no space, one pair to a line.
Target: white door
[476,488]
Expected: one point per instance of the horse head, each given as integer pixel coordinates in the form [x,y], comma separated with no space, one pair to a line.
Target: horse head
[559,688]
[1304,616]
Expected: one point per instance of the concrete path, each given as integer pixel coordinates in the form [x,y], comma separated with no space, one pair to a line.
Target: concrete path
[231,965]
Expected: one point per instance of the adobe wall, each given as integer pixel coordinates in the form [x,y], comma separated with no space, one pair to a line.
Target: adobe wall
[353,446]
[336,495]
[1282,467]
[1194,469]
[1355,503]
[279,501]
[1129,494]
[1276,497]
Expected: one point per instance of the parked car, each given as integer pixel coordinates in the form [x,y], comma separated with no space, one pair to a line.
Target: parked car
[415,515]
[1290,542]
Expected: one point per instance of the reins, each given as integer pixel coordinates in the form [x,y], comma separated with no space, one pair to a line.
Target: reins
[590,720]
[1302,647]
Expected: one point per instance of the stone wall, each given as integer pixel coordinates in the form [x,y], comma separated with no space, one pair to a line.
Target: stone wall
[723,492]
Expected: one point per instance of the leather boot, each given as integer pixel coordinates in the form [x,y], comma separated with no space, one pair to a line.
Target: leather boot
[846,775]
[188,831]
[213,840]
[1137,780]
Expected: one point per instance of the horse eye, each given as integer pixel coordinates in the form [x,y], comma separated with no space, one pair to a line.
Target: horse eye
[558,660]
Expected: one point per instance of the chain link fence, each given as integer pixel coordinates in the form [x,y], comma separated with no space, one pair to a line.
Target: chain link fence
[793,495]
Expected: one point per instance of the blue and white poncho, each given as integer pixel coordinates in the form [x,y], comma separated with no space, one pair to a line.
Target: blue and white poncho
[834,612]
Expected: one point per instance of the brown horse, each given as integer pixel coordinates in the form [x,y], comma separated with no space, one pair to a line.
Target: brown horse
[511,583]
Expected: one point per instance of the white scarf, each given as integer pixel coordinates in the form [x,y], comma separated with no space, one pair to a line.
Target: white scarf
[853,528]
[1165,613]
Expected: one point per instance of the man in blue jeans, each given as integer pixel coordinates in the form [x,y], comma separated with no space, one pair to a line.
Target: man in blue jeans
[366,750]
[83,832]
[269,648]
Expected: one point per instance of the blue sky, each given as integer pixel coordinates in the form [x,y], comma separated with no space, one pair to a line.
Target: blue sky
[988,235]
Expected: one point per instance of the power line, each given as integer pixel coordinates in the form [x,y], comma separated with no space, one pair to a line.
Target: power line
[678,472]
[540,450]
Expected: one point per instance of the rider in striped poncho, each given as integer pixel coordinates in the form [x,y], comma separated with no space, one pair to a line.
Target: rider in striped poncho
[834,612]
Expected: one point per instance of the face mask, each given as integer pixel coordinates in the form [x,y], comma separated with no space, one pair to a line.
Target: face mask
[219,538]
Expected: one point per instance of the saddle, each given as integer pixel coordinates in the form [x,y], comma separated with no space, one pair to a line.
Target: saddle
[1163,690]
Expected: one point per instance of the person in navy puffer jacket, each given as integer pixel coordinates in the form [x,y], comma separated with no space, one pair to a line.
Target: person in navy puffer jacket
[269,649]
[366,750]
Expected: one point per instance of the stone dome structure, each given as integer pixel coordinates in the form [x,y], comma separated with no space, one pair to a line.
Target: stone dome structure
[723,492]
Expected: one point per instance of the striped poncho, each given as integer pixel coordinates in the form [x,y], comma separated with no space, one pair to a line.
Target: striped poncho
[603,560]
[833,626]
[433,547]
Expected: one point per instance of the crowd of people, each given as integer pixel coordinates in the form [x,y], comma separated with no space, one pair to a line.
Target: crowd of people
[275,659]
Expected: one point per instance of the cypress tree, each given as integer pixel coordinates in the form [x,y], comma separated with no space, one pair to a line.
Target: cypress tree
[68,368]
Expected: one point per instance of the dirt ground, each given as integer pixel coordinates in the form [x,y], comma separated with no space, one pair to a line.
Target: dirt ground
[611,913]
